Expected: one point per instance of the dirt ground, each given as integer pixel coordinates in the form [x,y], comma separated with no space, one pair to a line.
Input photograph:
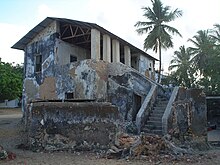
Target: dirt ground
[12,133]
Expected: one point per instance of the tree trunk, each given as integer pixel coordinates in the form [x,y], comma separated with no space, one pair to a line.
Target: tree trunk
[159,71]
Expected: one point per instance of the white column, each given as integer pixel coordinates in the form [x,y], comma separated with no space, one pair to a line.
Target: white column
[127,55]
[106,48]
[95,44]
[115,51]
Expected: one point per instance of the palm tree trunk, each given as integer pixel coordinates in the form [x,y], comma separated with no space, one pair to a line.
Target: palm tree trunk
[159,72]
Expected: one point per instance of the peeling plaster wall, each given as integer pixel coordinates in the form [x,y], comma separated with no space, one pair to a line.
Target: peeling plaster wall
[64,50]
[47,90]
[85,79]
[73,126]
[123,83]
[49,30]
[44,47]
[188,120]
[144,67]
[89,80]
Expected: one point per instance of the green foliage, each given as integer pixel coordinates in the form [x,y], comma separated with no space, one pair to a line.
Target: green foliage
[198,66]
[159,32]
[182,71]
[202,50]
[211,77]
[10,81]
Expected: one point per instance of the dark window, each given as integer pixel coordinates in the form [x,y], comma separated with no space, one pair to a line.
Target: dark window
[150,67]
[38,63]
[69,95]
[73,58]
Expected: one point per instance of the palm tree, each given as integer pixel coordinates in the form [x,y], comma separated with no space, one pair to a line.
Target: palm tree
[203,49]
[181,67]
[216,35]
[158,31]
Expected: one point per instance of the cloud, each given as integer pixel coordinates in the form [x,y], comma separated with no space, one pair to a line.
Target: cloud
[119,18]
[14,32]
[44,11]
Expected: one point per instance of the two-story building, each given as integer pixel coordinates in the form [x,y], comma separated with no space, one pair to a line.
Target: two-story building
[83,84]
[56,45]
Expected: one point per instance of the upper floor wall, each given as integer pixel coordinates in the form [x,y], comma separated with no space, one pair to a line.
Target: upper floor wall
[52,42]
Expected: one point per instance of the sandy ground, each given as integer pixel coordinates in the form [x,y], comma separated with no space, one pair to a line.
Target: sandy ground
[12,134]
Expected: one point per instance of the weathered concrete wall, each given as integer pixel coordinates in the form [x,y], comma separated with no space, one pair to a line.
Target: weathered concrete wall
[146,67]
[64,50]
[199,112]
[89,79]
[72,125]
[33,80]
[188,119]
[123,83]
[46,32]
[86,80]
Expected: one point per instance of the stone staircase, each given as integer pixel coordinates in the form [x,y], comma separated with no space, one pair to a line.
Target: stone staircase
[154,123]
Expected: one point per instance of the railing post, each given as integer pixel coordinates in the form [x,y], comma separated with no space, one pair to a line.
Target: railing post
[144,111]
[168,111]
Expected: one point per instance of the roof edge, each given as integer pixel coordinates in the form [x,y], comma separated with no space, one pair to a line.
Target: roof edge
[20,45]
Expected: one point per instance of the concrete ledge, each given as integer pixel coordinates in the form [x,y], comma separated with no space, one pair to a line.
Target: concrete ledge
[168,110]
[146,107]
[75,126]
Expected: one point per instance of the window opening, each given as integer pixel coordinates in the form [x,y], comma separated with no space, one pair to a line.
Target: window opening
[73,58]
[69,95]
[38,63]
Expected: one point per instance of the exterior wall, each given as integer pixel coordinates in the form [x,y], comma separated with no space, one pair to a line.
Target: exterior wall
[64,50]
[89,80]
[146,67]
[135,61]
[84,79]
[123,84]
[188,117]
[72,126]
[47,32]
[9,104]
[33,80]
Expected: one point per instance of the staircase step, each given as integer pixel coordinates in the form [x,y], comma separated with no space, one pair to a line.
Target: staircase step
[158,110]
[162,99]
[156,123]
[160,107]
[157,115]
[155,118]
[162,104]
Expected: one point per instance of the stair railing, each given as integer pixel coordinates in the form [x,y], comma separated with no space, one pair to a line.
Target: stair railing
[168,111]
[146,107]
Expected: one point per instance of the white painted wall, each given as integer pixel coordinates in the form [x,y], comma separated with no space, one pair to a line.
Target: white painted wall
[64,50]
[10,103]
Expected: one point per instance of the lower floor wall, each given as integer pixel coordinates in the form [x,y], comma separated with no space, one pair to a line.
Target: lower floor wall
[72,125]
[188,119]
[90,125]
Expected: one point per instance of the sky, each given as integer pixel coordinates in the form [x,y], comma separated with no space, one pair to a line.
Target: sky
[17,17]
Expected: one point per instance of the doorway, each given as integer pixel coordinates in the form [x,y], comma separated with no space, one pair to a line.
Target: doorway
[136,105]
